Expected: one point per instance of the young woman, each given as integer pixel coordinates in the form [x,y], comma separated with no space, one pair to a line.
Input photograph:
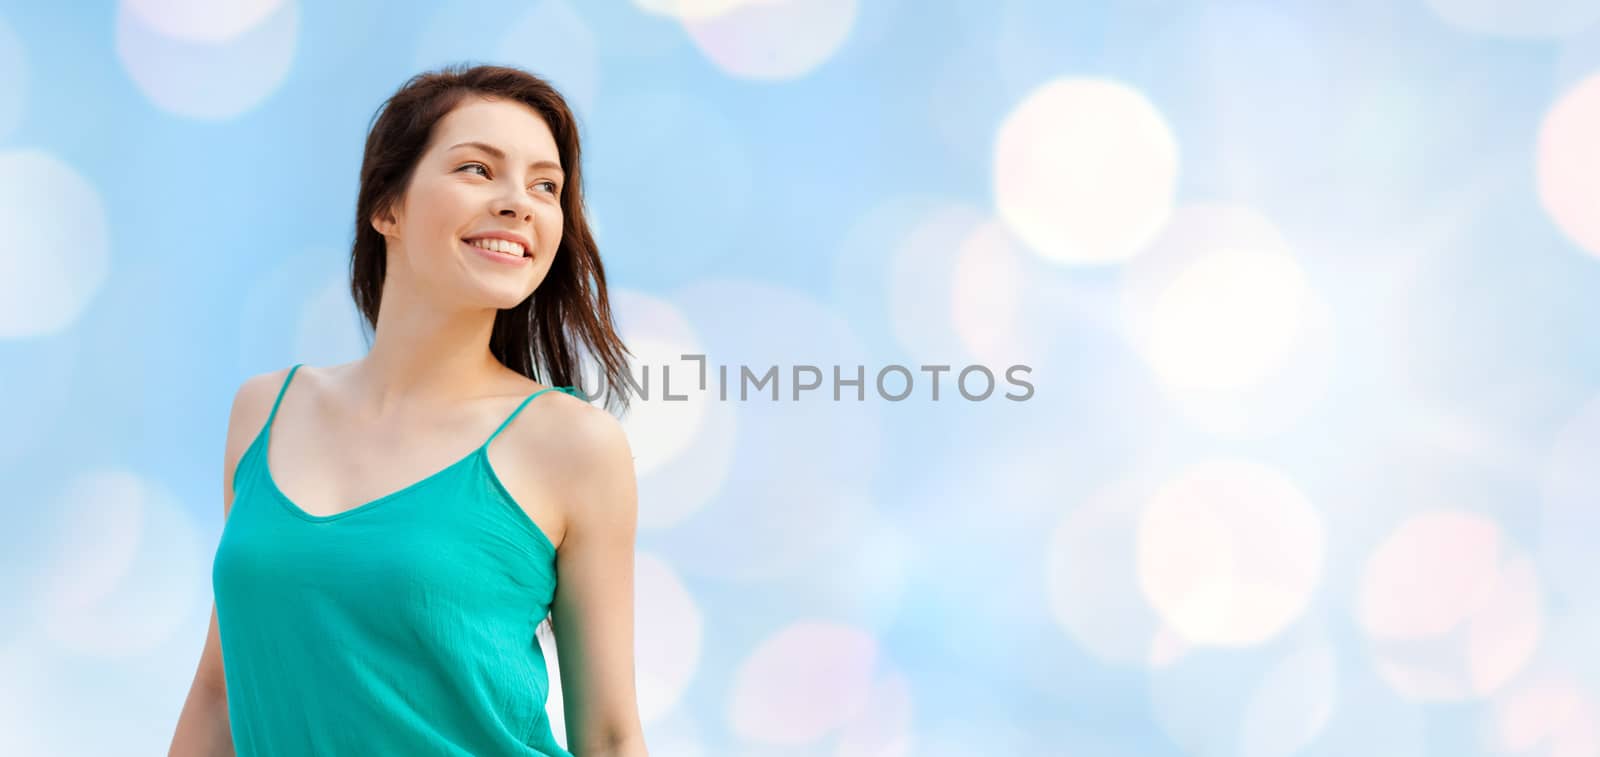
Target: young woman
[395,526]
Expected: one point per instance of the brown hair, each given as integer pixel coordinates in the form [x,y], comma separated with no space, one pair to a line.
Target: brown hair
[541,335]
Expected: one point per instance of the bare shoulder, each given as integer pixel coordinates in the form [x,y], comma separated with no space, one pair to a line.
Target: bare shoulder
[587,450]
[252,403]
[590,440]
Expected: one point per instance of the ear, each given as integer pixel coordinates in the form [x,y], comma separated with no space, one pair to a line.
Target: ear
[384,221]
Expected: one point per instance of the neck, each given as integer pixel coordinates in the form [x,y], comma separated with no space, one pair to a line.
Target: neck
[423,352]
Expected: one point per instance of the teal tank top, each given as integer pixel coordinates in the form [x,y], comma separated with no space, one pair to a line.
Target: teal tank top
[404,626]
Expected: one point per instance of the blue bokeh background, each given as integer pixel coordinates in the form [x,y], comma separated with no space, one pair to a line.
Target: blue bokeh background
[1308,292]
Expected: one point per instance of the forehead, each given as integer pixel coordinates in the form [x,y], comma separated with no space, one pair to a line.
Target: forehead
[508,125]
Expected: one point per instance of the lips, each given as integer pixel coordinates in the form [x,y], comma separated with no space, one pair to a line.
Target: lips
[493,237]
[503,258]
[500,245]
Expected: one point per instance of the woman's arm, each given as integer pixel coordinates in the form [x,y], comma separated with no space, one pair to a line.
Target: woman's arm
[593,607]
[203,725]
[203,729]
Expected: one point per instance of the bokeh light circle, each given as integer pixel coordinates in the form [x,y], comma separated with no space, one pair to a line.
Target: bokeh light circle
[208,79]
[669,650]
[659,335]
[689,9]
[671,493]
[202,20]
[1569,163]
[1451,606]
[1551,714]
[129,566]
[47,276]
[1223,313]
[1085,171]
[1227,319]
[682,446]
[1229,552]
[802,683]
[1222,310]
[772,39]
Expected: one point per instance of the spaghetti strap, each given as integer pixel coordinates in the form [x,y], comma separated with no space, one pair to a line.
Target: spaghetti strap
[564,389]
[279,400]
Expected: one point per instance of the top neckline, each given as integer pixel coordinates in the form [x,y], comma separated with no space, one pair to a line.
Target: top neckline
[264,440]
[302,513]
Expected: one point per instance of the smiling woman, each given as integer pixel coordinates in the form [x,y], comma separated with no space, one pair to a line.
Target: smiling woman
[475,145]
[392,537]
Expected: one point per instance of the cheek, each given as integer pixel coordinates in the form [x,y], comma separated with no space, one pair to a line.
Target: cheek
[550,227]
[422,214]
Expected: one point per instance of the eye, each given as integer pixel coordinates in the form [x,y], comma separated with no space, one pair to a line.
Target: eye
[553,188]
[479,165]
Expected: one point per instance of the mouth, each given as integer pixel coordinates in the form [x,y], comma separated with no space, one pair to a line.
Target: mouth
[511,251]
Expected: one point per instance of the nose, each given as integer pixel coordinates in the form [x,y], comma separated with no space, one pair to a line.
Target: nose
[515,205]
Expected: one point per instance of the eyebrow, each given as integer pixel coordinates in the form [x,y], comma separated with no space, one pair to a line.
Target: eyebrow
[501,155]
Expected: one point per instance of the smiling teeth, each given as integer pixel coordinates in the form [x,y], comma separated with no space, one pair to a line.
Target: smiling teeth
[499,245]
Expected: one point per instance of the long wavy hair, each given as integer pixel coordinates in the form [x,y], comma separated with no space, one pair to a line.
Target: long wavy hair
[541,337]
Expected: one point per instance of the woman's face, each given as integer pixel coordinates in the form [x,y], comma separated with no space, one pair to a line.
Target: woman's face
[492,166]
